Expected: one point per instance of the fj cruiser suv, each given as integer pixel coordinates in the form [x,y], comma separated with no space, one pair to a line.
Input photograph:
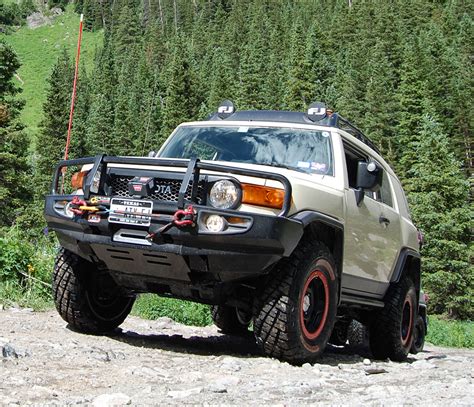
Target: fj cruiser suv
[291,222]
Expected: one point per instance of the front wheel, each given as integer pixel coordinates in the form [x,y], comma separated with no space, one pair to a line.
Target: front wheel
[296,312]
[86,298]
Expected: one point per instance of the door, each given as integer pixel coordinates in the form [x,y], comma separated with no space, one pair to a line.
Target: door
[371,235]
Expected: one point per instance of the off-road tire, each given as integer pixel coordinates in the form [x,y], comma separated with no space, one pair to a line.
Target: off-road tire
[75,291]
[419,336]
[339,333]
[358,336]
[391,332]
[295,312]
[229,321]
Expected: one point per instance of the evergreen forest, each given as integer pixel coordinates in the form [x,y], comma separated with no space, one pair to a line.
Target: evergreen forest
[400,70]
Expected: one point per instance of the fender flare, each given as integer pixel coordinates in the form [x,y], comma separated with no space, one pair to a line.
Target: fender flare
[405,254]
[308,218]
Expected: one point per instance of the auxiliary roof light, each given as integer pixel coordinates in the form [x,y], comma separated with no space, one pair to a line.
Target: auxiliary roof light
[225,109]
[316,111]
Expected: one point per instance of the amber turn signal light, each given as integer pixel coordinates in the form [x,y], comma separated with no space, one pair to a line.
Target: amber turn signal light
[77,180]
[262,196]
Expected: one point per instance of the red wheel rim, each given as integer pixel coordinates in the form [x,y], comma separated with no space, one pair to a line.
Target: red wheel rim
[407,320]
[314,305]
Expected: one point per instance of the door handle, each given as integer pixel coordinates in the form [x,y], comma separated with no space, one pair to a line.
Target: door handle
[384,220]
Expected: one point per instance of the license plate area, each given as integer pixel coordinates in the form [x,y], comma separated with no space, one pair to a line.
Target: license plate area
[130,211]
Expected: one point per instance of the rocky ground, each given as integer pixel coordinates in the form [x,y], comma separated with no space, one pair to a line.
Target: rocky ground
[43,362]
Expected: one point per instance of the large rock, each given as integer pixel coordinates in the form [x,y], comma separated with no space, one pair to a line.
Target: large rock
[37,19]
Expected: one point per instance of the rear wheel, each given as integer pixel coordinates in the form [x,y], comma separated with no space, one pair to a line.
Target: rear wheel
[391,333]
[230,320]
[86,298]
[358,336]
[419,336]
[339,333]
[295,314]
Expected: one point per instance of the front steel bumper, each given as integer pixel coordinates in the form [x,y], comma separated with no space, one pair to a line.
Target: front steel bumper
[181,255]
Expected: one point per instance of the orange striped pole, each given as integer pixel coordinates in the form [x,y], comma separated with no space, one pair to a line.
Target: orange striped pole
[73,99]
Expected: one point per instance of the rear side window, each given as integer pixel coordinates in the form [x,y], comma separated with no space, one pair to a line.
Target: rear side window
[384,194]
[401,199]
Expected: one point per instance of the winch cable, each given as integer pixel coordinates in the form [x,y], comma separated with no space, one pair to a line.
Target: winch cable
[181,219]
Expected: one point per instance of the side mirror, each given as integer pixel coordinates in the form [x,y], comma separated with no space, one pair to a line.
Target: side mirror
[369,175]
[369,178]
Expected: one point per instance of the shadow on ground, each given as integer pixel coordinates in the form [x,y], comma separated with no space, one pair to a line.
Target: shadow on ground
[220,344]
[198,345]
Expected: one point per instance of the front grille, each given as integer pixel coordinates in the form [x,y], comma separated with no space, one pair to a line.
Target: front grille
[166,190]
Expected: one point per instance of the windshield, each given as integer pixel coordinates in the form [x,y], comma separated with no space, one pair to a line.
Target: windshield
[299,149]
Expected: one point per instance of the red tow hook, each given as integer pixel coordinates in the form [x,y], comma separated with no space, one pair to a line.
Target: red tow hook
[184,217]
[181,218]
[77,202]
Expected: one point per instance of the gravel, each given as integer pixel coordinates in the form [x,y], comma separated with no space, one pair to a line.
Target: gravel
[43,362]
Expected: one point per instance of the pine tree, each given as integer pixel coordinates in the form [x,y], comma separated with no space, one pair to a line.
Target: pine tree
[180,102]
[78,6]
[14,170]
[100,127]
[411,94]
[299,86]
[321,71]
[79,144]
[461,91]
[438,195]
[380,105]
[51,140]
[253,70]
[222,79]
[88,9]
[127,35]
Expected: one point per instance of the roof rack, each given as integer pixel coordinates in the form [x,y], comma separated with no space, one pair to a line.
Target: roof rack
[336,120]
[317,113]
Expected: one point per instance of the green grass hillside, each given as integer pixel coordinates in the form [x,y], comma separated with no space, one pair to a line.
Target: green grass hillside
[38,50]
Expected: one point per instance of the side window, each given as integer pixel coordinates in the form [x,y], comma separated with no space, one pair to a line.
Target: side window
[352,159]
[384,194]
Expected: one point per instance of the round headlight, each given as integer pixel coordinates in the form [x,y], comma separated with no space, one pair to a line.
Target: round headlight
[224,194]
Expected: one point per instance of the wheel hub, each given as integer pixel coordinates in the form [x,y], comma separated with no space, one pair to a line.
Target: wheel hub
[314,304]
[306,302]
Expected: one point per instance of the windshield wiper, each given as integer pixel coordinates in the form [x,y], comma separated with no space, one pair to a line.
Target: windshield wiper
[288,167]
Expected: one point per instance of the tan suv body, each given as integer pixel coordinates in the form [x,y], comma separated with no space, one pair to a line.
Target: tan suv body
[267,216]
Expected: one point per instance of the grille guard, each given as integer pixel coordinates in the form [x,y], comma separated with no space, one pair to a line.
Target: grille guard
[166,185]
[193,168]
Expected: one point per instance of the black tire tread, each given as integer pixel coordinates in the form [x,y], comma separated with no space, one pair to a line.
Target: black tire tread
[385,329]
[358,336]
[418,341]
[69,294]
[274,334]
[225,318]
[339,333]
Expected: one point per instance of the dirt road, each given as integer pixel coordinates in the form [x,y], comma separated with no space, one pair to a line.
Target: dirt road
[162,362]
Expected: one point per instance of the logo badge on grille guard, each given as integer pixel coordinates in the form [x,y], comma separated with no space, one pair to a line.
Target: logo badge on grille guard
[141,186]
[163,189]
